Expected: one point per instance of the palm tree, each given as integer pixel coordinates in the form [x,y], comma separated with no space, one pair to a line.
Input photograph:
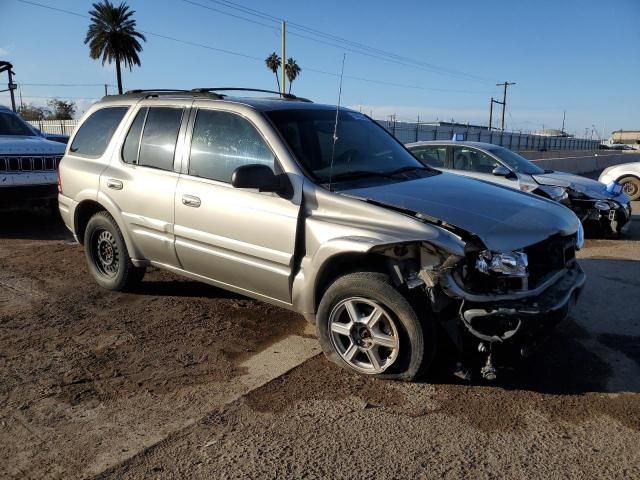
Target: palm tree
[112,35]
[273,63]
[292,69]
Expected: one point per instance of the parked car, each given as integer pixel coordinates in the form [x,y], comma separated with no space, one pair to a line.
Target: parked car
[597,208]
[318,210]
[627,174]
[28,164]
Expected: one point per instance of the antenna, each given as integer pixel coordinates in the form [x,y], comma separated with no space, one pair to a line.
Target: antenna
[335,125]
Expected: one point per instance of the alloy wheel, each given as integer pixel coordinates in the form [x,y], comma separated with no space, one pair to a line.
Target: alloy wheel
[364,335]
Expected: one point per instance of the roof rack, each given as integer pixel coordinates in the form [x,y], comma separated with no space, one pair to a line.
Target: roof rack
[208,92]
[284,96]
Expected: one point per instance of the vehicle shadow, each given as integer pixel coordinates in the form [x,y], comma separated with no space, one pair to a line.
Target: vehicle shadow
[37,224]
[597,349]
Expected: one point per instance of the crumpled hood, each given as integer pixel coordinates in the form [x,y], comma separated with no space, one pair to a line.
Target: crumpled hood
[504,219]
[587,186]
[29,145]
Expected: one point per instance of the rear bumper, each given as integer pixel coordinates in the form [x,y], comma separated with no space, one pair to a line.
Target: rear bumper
[521,322]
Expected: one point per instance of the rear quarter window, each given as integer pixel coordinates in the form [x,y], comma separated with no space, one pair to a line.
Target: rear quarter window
[95,133]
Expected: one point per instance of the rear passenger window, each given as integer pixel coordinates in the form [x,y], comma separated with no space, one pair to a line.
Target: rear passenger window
[95,133]
[432,156]
[158,143]
[132,142]
[222,142]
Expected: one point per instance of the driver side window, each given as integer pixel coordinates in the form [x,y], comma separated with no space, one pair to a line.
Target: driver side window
[473,160]
[222,142]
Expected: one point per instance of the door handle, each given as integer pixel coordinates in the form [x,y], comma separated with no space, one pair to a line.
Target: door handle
[190,201]
[114,184]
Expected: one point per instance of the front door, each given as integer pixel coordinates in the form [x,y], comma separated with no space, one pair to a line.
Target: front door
[475,163]
[238,238]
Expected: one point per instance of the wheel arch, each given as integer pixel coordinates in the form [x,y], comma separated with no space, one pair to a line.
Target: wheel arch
[87,208]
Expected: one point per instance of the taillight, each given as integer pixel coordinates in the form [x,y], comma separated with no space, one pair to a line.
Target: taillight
[59,183]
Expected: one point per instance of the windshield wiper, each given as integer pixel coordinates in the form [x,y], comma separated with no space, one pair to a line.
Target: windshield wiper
[406,169]
[355,174]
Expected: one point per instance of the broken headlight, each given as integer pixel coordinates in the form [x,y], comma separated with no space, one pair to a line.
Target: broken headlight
[555,193]
[512,264]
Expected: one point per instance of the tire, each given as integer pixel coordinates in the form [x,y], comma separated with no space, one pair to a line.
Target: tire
[409,338]
[107,255]
[631,186]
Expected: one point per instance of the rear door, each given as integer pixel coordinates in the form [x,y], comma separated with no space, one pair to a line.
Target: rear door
[142,180]
[238,238]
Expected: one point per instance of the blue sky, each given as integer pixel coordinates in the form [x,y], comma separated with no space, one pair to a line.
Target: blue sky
[581,56]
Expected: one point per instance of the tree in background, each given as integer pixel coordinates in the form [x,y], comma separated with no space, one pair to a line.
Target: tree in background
[60,109]
[112,35]
[33,113]
[292,69]
[274,62]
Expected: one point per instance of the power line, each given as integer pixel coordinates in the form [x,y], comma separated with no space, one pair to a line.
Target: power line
[330,40]
[252,57]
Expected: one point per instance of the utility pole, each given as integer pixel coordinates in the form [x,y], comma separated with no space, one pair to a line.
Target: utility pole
[564,115]
[491,113]
[504,99]
[284,56]
[106,92]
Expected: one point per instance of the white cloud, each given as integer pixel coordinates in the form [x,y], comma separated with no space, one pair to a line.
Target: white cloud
[4,52]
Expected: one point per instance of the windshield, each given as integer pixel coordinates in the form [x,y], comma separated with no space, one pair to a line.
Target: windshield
[516,162]
[11,124]
[362,148]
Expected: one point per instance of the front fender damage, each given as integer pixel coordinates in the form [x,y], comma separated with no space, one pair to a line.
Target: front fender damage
[490,328]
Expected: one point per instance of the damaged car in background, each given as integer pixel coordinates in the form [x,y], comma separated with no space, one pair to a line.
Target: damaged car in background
[320,210]
[603,209]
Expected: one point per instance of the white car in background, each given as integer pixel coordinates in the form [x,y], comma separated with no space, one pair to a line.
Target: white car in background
[28,164]
[627,174]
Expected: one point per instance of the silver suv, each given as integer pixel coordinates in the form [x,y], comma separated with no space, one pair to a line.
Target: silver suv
[318,209]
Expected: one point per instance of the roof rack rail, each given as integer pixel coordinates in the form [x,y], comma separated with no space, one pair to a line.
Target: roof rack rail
[284,96]
[208,92]
[155,92]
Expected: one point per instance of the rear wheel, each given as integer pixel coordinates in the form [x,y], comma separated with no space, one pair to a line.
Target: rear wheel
[367,325]
[107,255]
[631,186]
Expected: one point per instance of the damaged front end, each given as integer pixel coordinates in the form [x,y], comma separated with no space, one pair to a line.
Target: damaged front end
[600,211]
[610,217]
[494,306]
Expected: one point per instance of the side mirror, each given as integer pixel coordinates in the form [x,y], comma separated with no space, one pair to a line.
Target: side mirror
[257,176]
[501,171]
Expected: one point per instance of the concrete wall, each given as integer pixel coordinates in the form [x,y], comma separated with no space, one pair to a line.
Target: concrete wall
[583,163]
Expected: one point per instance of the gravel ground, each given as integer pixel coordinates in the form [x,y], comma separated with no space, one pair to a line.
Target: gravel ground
[154,384]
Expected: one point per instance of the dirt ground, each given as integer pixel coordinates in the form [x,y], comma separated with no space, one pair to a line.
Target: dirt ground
[162,383]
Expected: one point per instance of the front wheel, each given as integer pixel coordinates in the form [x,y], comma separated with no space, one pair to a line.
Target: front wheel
[107,255]
[368,326]
[631,186]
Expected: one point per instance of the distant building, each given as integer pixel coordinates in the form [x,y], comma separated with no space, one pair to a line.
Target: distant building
[454,125]
[627,137]
[552,132]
